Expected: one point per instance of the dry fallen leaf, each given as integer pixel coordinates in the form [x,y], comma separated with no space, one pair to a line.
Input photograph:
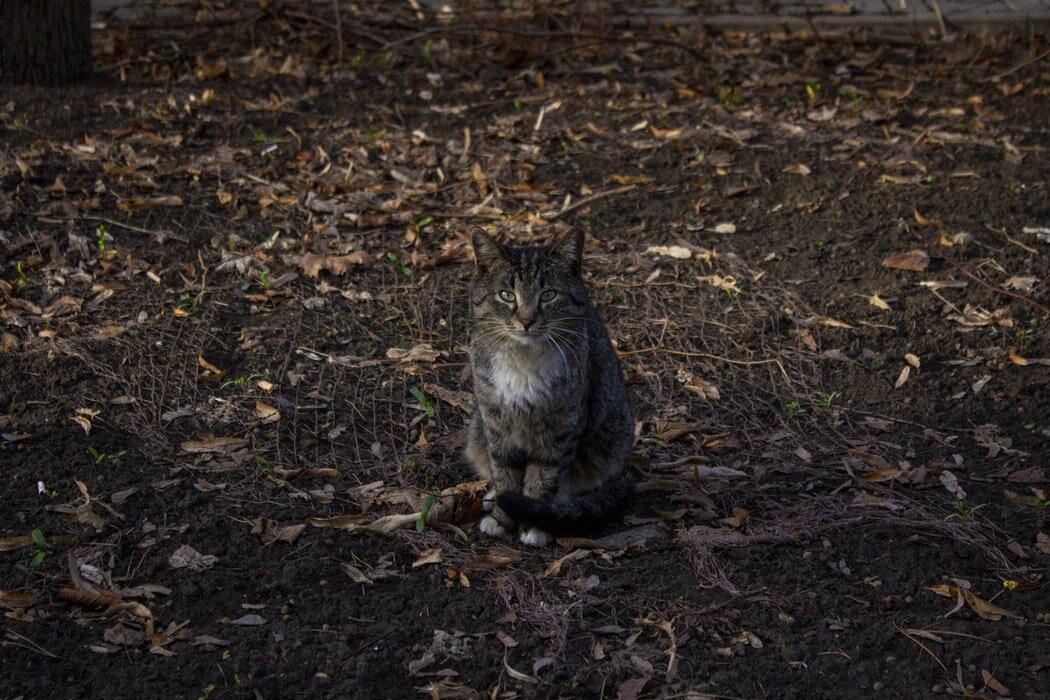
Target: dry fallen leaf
[880,475]
[555,567]
[963,596]
[912,360]
[186,557]
[903,377]
[312,264]
[951,482]
[990,681]
[266,413]
[670,251]
[214,444]
[876,301]
[912,261]
[431,556]
[798,169]
[928,223]
[1024,284]
[418,353]
[355,574]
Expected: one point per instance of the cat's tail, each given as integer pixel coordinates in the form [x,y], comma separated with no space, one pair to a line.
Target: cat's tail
[585,512]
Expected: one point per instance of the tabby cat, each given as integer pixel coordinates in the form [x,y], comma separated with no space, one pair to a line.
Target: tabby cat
[552,428]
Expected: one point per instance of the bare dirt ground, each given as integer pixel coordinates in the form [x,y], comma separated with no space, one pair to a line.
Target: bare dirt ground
[234,381]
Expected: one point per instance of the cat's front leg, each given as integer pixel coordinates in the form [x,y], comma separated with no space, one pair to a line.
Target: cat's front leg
[541,482]
[504,478]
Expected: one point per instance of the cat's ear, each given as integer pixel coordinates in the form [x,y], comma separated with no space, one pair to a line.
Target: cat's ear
[570,250]
[486,250]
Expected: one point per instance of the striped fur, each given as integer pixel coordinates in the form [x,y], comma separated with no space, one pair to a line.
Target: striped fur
[552,429]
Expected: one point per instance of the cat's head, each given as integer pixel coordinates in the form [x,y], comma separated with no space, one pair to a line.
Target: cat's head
[531,294]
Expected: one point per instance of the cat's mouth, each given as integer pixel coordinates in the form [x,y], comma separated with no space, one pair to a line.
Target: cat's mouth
[529,336]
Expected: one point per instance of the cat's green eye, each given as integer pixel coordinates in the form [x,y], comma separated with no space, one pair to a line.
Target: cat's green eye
[548,295]
[507,296]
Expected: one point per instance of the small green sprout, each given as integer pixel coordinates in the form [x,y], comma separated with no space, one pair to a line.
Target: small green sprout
[829,399]
[700,158]
[963,511]
[519,105]
[189,302]
[813,89]
[240,382]
[428,52]
[101,457]
[428,503]
[40,548]
[405,269]
[18,124]
[258,133]
[415,465]
[425,221]
[423,401]
[100,239]
[732,292]
[793,409]
[23,280]
[264,277]
[206,693]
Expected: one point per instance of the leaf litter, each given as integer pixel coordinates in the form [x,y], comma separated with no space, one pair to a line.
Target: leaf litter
[339,269]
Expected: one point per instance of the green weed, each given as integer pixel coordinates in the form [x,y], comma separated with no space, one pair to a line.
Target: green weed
[829,399]
[402,267]
[100,240]
[258,133]
[23,280]
[963,511]
[428,503]
[40,548]
[423,401]
[189,302]
[793,409]
[101,457]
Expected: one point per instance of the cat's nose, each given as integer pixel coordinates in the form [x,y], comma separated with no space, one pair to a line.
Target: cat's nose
[526,322]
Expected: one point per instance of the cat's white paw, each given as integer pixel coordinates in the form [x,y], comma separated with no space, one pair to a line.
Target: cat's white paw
[491,526]
[535,537]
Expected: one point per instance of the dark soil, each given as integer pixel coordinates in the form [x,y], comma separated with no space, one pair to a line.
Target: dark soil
[799,554]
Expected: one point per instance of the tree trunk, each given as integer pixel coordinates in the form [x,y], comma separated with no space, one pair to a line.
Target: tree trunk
[44,42]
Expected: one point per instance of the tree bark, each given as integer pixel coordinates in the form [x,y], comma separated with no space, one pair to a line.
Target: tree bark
[44,42]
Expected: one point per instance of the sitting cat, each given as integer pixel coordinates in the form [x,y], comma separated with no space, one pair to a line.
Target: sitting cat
[552,428]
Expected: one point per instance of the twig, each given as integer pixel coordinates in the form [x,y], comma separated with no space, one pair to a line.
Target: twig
[683,462]
[686,353]
[998,290]
[950,633]
[923,647]
[883,416]
[1016,242]
[160,236]
[338,34]
[940,18]
[1019,66]
[587,200]
[29,644]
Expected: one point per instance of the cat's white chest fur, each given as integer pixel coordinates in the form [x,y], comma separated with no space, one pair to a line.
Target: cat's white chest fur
[526,376]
